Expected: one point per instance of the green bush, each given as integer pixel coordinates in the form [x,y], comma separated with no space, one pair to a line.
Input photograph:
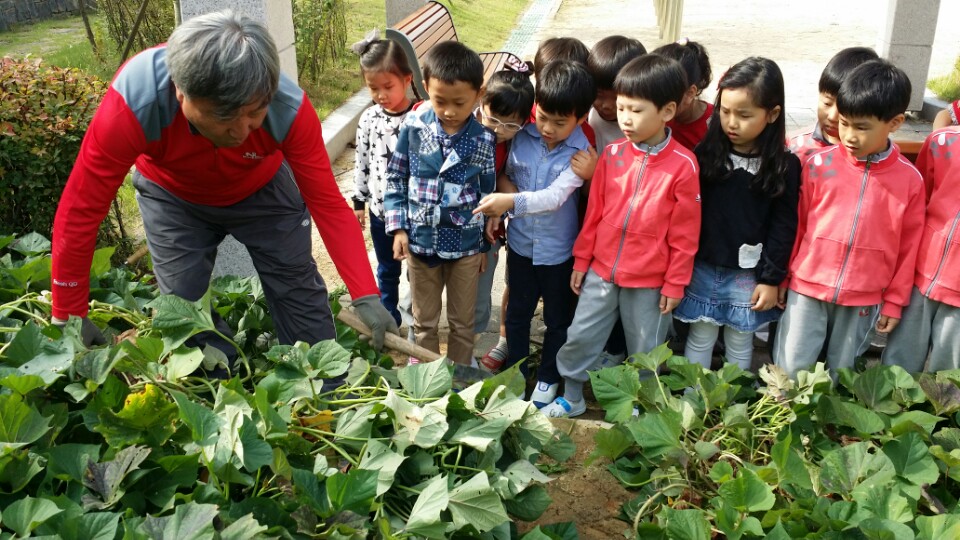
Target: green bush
[120,16]
[44,112]
[321,35]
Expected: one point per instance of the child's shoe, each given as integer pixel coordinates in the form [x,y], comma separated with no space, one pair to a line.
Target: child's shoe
[561,408]
[607,359]
[412,361]
[494,359]
[543,394]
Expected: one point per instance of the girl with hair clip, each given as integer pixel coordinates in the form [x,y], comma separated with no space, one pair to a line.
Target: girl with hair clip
[387,75]
[690,124]
[749,184]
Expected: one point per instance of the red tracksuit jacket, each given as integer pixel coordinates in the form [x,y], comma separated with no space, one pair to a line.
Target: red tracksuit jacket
[642,225]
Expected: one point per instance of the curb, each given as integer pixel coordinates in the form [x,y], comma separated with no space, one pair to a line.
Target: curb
[340,127]
[931,106]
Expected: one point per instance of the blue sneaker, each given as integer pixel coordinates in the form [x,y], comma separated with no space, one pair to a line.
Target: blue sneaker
[544,394]
[561,408]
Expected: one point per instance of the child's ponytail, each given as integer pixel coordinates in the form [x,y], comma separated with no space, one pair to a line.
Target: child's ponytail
[381,55]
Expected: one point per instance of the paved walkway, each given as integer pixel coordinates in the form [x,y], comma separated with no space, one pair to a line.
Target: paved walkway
[800,36]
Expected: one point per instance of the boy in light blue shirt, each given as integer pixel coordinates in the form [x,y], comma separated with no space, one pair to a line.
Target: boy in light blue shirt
[543,220]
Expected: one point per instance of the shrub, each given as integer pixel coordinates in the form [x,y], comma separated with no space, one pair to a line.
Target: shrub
[321,34]
[44,112]
[120,16]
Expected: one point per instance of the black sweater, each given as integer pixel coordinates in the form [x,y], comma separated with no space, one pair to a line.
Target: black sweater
[734,214]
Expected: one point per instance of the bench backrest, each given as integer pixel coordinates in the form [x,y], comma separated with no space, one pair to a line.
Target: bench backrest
[909,149]
[430,25]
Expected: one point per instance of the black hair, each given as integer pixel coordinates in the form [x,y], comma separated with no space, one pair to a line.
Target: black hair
[509,93]
[654,78]
[565,88]
[384,55]
[452,61]
[694,59]
[763,80]
[559,48]
[609,55]
[841,65]
[876,88]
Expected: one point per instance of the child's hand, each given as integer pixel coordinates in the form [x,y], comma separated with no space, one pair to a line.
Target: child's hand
[490,229]
[764,297]
[667,304]
[782,297]
[887,323]
[361,217]
[576,281]
[583,163]
[495,204]
[401,245]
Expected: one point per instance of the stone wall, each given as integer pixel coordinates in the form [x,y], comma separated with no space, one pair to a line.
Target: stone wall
[13,12]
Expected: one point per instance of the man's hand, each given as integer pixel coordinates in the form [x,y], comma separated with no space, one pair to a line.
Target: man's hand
[90,335]
[401,245]
[667,304]
[887,323]
[765,297]
[361,217]
[576,281]
[583,163]
[495,204]
[375,316]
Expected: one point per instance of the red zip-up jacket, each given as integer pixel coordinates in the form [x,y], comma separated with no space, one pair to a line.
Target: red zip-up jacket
[809,142]
[642,225]
[858,230]
[938,258]
[140,122]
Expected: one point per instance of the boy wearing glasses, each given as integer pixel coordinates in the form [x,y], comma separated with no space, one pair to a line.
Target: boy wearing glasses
[543,221]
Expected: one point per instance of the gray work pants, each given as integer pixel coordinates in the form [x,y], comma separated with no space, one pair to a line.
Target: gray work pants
[808,324]
[273,224]
[926,326]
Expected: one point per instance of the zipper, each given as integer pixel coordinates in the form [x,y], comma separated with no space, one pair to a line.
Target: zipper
[853,231]
[626,218]
[943,258]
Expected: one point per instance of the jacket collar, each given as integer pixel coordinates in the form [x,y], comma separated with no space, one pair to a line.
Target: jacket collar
[877,160]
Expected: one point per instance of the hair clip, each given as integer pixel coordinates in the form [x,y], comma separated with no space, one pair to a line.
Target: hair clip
[516,64]
[360,47]
[683,41]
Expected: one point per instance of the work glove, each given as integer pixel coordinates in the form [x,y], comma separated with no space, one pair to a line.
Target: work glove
[376,317]
[90,335]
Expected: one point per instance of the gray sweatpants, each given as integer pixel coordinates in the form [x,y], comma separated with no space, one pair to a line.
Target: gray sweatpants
[275,227]
[601,304]
[927,325]
[808,324]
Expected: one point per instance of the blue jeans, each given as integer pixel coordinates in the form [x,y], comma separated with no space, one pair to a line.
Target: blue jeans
[388,269]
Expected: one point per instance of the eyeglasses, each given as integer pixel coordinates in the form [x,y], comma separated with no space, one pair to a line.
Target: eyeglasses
[496,124]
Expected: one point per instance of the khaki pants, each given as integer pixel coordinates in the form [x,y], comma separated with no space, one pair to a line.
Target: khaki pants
[459,277]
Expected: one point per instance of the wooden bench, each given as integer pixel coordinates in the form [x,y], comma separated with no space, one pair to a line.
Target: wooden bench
[432,24]
[909,149]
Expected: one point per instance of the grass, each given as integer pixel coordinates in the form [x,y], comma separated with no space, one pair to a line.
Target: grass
[481,24]
[947,87]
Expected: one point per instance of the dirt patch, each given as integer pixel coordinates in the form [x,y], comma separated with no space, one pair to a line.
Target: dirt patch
[588,496]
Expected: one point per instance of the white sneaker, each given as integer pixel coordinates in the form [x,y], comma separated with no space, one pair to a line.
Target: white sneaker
[543,394]
[606,360]
[561,408]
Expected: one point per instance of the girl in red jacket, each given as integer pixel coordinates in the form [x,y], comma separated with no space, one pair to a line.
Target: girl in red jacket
[750,184]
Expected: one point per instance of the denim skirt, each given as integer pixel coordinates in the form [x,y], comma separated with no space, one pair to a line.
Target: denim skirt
[721,296]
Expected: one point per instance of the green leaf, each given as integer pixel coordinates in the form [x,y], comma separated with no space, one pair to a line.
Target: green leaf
[559,531]
[104,478]
[560,447]
[657,432]
[256,452]
[69,461]
[721,472]
[26,514]
[421,426]
[885,529]
[190,521]
[478,433]
[846,468]
[612,442]
[530,504]
[834,410]
[790,466]
[23,384]
[684,524]
[912,461]
[31,244]
[90,526]
[101,261]
[778,533]
[874,387]
[182,362]
[908,419]
[353,491]
[616,390]
[521,474]
[886,504]
[943,394]
[17,468]
[330,358]
[20,424]
[651,360]
[747,492]
[245,528]
[178,319]
[427,380]
[938,527]
[36,354]
[425,516]
[204,424]
[476,503]
[381,458]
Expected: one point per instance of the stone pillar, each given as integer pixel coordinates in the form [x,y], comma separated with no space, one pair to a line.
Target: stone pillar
[907,41]
[232,256]
[398,9]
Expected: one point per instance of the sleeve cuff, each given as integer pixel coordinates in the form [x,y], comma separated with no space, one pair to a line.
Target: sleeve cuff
[891,310]
[672,291]
[359,204]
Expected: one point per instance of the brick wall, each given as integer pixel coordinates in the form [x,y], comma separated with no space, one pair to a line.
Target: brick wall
[13,12]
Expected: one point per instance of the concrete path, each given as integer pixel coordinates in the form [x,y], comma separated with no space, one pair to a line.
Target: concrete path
[800,36]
